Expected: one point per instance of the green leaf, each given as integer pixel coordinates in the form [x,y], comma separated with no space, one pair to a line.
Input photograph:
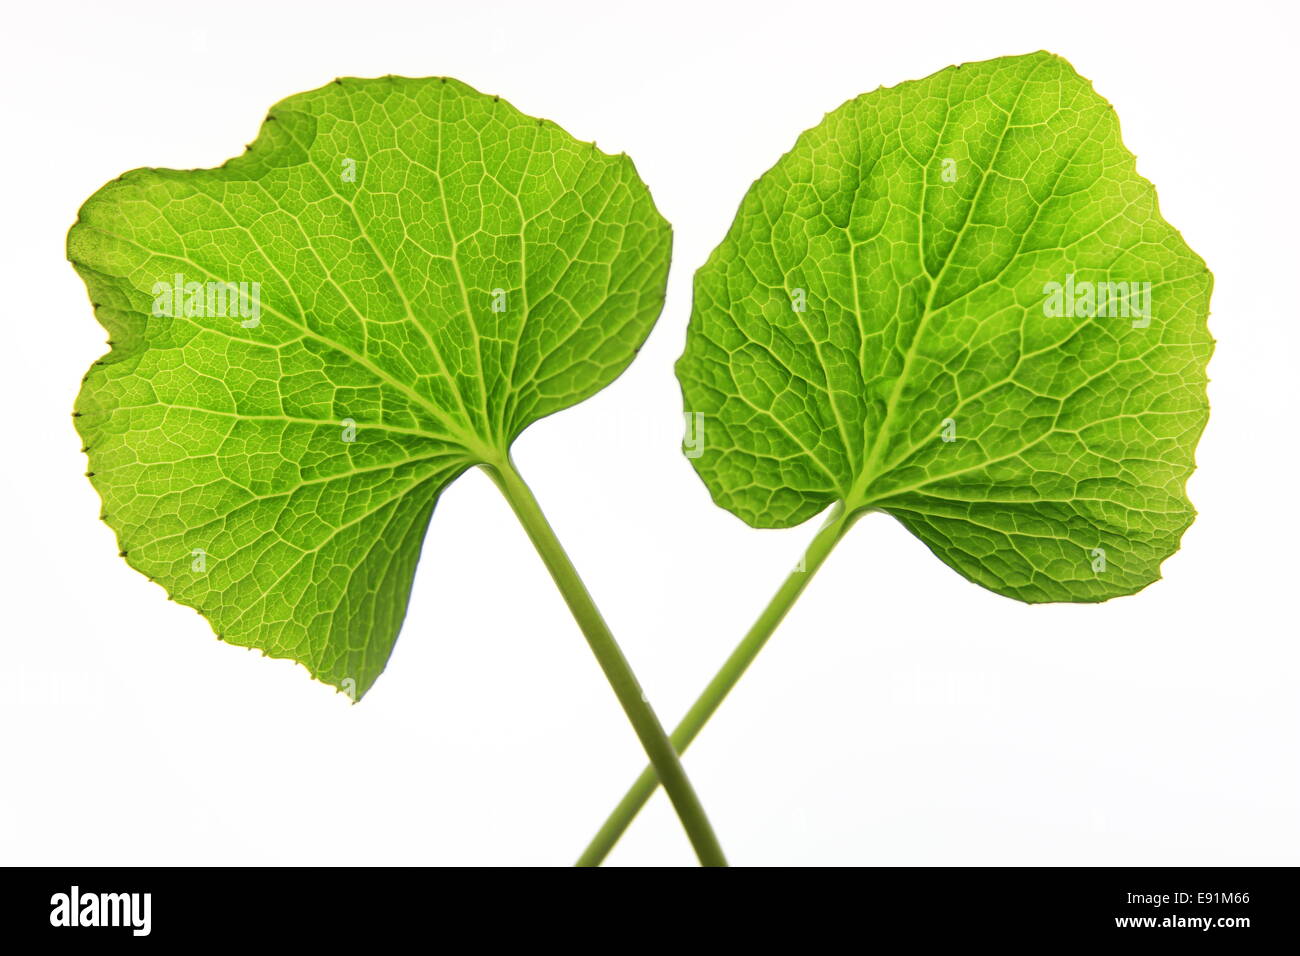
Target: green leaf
[928,230]
[418,272]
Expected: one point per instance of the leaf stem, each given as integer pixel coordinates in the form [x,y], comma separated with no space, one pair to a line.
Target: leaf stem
[665,763]
[838,522]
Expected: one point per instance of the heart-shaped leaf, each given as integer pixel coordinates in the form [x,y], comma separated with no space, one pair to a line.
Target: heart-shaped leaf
[956,301]
[310,342]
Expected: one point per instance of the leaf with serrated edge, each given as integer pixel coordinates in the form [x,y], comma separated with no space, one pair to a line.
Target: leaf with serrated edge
[1042,456]
[435,271]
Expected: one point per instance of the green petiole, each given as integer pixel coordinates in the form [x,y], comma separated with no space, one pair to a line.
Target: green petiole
[715,693]
[665,764]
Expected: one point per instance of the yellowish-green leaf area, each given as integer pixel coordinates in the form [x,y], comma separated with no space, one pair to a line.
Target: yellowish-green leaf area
[310,342]
[956,301]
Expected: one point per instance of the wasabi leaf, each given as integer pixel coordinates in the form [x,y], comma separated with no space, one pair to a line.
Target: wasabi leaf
[312,341]
[956,301]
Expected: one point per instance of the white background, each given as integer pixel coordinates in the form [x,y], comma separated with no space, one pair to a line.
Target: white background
[900,715]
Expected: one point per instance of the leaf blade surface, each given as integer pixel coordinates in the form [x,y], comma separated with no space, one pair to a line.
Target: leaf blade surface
[434,271]
[921,227]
